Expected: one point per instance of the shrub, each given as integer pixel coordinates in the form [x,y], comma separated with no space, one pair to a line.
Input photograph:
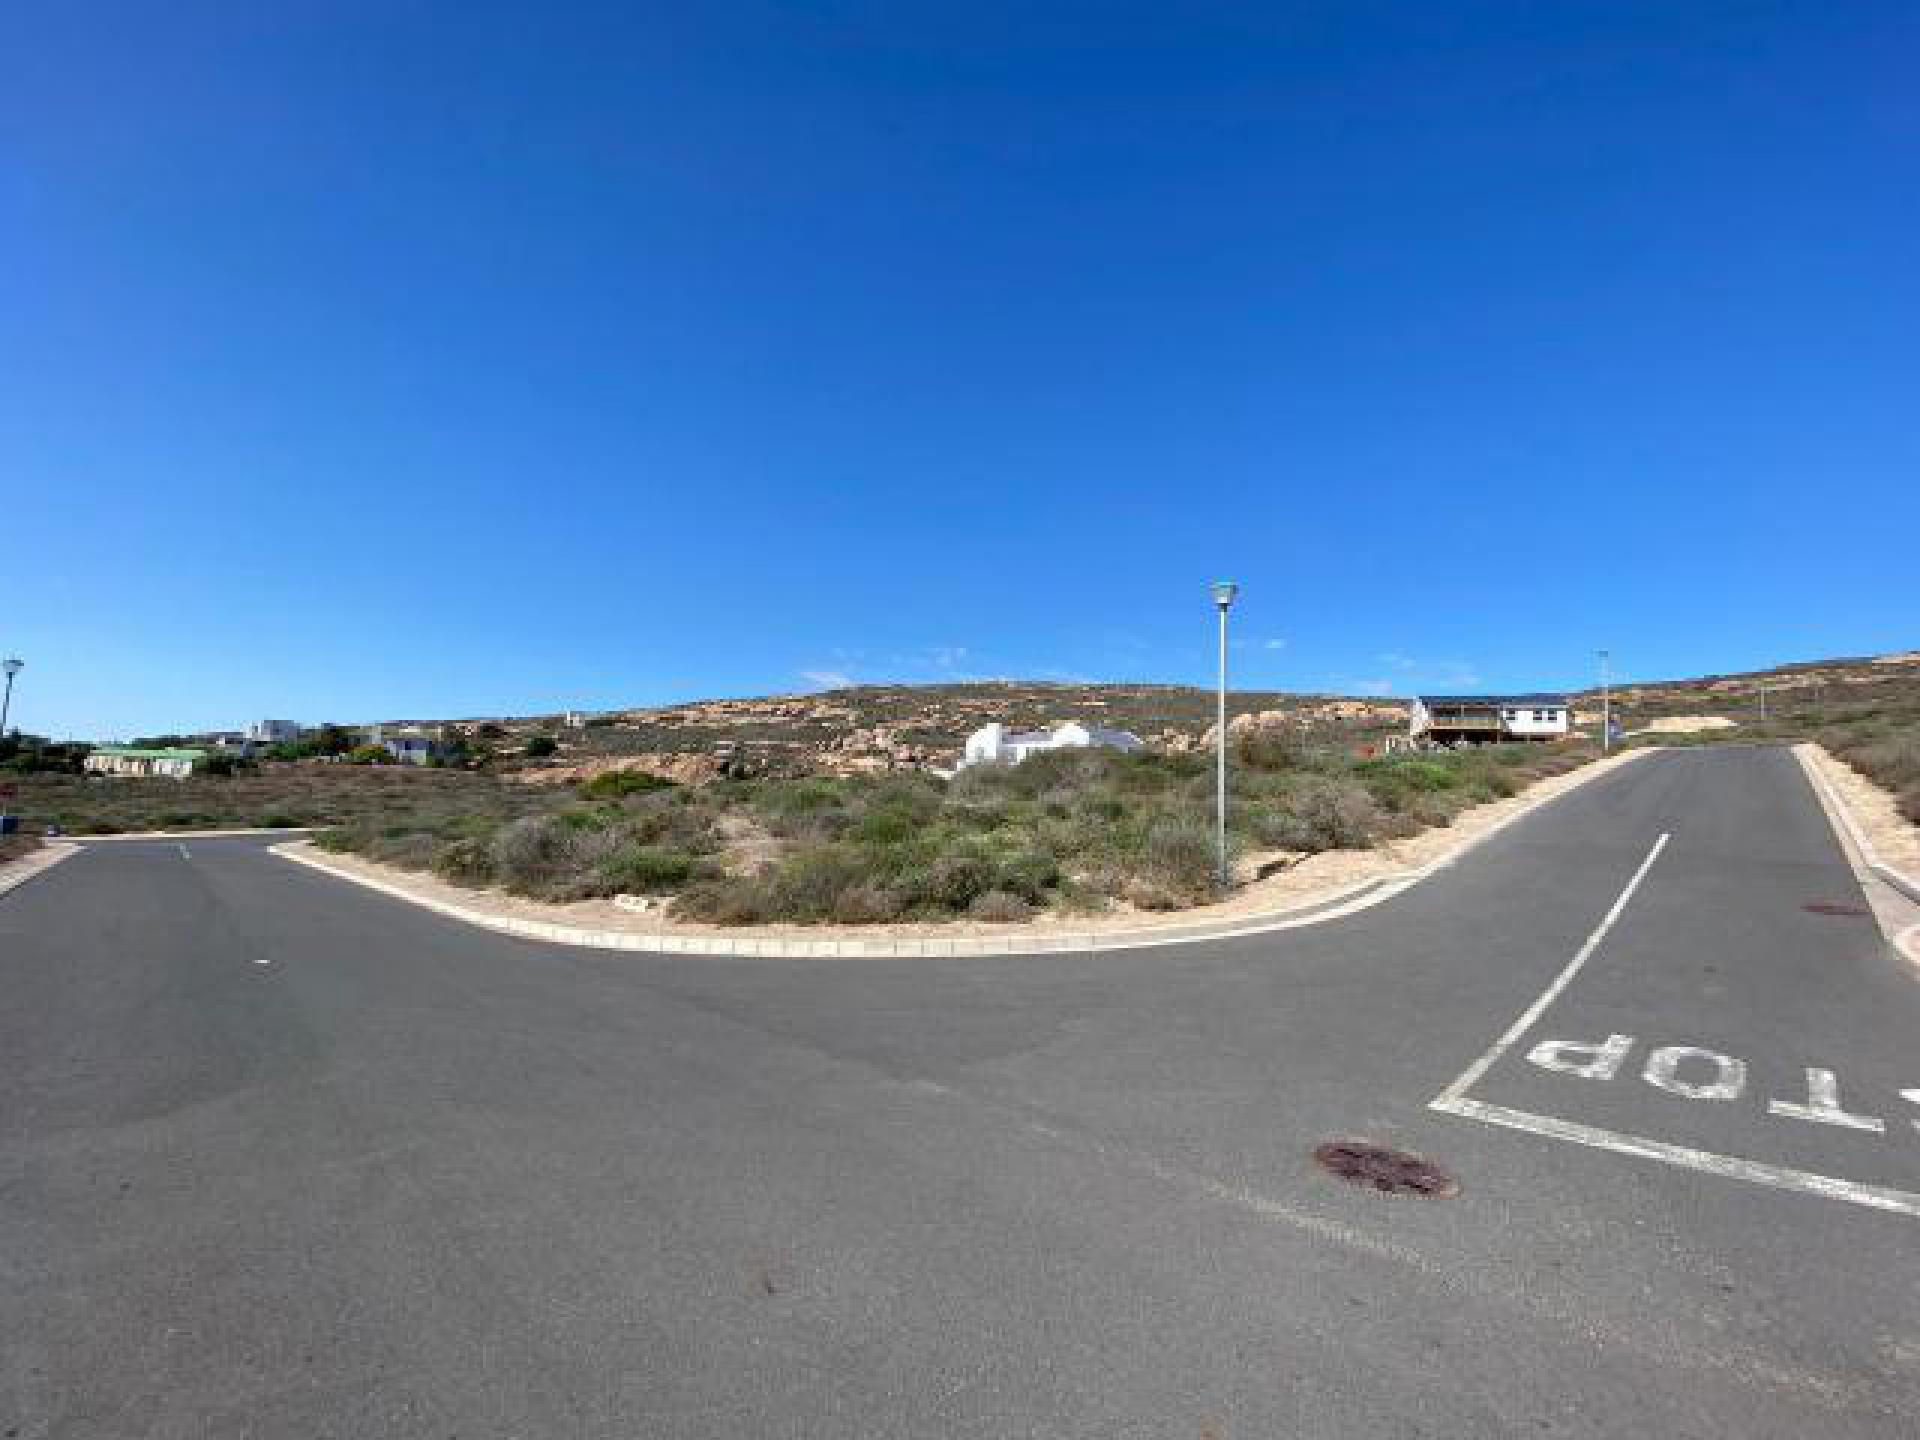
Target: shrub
[648,869]
[954,882]
[733,900]
[1000,906]
[1336,815]
[541,746]
[369,755]
[1265,748]
[1179,854]
[867,905]
[617,784]
[466,861]
[548,858]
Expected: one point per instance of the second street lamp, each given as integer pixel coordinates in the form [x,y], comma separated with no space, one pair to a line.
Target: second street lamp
[1224,592]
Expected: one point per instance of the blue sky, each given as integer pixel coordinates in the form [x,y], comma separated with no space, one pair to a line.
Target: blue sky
[390,359]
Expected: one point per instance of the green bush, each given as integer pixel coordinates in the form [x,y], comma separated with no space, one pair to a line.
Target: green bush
[541,746]
[617,784]
[649,869]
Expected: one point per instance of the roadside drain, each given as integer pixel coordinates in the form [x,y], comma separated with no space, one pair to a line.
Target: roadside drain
[1828,907]
[1391,1172]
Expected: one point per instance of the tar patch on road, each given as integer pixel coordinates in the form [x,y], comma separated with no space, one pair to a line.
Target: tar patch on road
[1391,1172]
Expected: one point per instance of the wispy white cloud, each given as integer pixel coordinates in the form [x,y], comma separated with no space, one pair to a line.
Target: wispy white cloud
[1457,677]
[1382,685]
[1397,661]
[827,679]
[1274,644]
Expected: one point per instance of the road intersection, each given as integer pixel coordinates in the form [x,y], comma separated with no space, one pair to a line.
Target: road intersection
[281,1156]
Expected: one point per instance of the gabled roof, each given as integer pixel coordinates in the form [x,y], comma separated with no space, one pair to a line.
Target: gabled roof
[1494,700]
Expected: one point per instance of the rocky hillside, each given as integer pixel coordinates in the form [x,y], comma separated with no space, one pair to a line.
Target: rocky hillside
[877,728]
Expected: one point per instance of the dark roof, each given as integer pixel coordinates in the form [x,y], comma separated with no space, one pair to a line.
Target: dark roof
[1493,700]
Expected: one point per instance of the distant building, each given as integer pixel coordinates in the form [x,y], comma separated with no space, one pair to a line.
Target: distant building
[275,732]
[997,745]
[408,744]
[136,761]
[1489,719]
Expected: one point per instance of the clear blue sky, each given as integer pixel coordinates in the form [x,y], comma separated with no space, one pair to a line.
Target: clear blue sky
[398,359]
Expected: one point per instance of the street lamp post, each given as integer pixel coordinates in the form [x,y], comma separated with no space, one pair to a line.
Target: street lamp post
[1224,592]
[13,665]
[1606,704]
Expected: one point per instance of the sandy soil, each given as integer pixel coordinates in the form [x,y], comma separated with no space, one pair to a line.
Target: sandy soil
[1873,809]
[1685,724]
[1314,878]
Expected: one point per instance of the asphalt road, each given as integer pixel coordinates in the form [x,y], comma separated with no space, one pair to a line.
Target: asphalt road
[280,1157]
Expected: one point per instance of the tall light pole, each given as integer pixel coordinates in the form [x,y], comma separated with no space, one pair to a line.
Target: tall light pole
[1223,594]
[13,665]
[1606,704]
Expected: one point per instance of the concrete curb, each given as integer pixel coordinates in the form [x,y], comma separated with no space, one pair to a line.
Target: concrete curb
[130,835]
[1344,901]
[16,873]
[1896,880]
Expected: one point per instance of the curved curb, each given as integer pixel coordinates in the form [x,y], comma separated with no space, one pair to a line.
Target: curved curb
[129,836]
[18,872]
[1346,900]
[1898,880]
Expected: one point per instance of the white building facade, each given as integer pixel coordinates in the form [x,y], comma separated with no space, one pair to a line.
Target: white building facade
[274,732]
[1489,719]
[997,745]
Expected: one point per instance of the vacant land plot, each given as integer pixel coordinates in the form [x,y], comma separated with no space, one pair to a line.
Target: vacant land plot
[272,794]
[1071,831]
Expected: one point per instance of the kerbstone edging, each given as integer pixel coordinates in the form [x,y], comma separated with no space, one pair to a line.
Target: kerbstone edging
[16,873]
[1343,901]
[133,835]
[1899,880]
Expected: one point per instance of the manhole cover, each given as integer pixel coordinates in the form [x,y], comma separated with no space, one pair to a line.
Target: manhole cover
[1392,1172]
[1828,907]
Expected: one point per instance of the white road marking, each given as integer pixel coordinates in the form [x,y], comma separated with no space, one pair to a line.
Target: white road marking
[1912,1097]
[183,853]
[1778,1177]
[1823,1106]
[1730,1075]
[263,962]
[1602,1063]
[1471,1075]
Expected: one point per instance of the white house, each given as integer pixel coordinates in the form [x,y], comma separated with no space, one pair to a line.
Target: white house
[997,745]
[1489,719]
[408,744]
[274,732]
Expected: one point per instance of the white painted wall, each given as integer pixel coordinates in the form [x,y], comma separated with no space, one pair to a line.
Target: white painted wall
[995,744]
[1534,721]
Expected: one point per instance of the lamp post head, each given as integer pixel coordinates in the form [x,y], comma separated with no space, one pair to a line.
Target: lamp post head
[13,665]
[1224,592]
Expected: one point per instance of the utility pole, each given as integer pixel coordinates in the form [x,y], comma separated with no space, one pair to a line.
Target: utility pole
[1606,704]
[1223,595]
[1763,702]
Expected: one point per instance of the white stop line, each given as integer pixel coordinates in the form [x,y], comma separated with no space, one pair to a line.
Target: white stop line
[1684,1070]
